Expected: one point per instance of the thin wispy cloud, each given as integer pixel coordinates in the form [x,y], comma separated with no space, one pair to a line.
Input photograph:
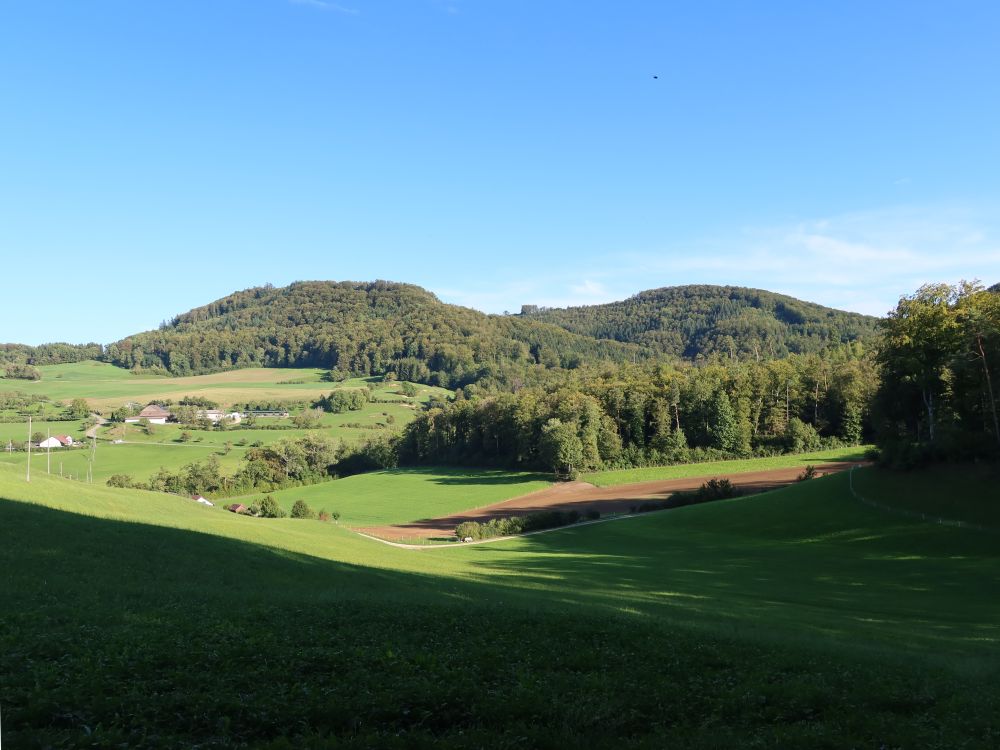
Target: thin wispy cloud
[862,262]
[325,5]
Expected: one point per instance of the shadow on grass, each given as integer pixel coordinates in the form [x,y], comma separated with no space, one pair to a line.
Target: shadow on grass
[457,476]
[131,634]
[805,564]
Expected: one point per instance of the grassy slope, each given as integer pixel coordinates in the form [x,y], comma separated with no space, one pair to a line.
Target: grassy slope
[18,431]
[967,494]
[766,620]
[683,471]
[106,386]
[403,495]
[333,426]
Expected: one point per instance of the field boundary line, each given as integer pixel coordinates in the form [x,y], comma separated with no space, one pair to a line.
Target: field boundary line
[460,545]
[915,514]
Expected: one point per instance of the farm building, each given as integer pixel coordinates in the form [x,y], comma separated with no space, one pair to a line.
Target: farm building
[154,413]
[203,500]
[237,508]
[52,442]
[217,415]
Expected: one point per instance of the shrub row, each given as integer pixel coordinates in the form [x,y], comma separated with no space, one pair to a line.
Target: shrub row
[511,525]
[713,489]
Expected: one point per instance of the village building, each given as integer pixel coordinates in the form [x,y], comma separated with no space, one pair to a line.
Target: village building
[56,441]
[154,413]
[203,500]
[217,415]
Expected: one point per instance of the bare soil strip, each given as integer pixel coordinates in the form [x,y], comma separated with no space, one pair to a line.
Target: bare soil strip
[583,497]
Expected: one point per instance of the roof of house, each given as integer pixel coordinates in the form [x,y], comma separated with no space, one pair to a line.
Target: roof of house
[154,410]
[64,439]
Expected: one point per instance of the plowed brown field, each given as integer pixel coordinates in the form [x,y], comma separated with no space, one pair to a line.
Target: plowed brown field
[582,497]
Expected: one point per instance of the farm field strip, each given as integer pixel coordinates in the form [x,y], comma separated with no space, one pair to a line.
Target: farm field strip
[404,495]
[616,477]
[106,386]
[583,497]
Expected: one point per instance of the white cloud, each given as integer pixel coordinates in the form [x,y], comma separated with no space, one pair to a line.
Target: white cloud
[862,261]
[589,288]
[326,5]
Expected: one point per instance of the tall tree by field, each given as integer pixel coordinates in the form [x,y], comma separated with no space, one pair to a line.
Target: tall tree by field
[938,360]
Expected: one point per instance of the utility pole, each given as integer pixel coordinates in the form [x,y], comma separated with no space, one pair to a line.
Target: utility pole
[48,451]
[28,477]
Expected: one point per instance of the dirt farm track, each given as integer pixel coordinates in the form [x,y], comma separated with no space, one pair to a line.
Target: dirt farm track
[581,496]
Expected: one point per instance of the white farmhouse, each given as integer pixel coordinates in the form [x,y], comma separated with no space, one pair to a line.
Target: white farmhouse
[155,414]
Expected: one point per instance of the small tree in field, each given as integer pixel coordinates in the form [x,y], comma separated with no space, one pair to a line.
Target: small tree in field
[267,507]
[302,510]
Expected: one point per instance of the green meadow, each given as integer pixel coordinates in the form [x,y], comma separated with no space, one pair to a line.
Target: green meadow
[708,468]
[143,453]
[350,427]
[18,431]
[106,386]
[138,461]
[796,618]
[404,495]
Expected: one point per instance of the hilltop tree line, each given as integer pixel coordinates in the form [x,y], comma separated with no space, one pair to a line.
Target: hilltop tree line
[361,330]
[939,357]
[48,354]
[654,414]
[701,321]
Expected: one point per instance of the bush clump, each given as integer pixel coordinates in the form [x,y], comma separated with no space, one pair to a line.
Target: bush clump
[511,525]
[301,509]
[267,507]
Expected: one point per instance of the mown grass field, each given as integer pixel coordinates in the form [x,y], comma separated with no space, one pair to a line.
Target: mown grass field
[373,420]
[18,431]
[138,461]
[683,471]
[798,618]
[106,386]
[403,495]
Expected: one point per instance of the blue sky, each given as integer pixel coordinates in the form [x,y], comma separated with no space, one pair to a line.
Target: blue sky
[155,156]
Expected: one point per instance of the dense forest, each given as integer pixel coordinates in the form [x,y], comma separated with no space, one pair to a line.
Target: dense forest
[379,327]
[939,359]
[360,329]
[700,321]
[649,414]
[48,354]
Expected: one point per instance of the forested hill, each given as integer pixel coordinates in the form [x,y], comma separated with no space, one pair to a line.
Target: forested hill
[692,321]
[360,328]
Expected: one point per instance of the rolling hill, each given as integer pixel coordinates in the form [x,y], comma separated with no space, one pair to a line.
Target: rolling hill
[377,327]
[361,329]
[141,619]
[696,321]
